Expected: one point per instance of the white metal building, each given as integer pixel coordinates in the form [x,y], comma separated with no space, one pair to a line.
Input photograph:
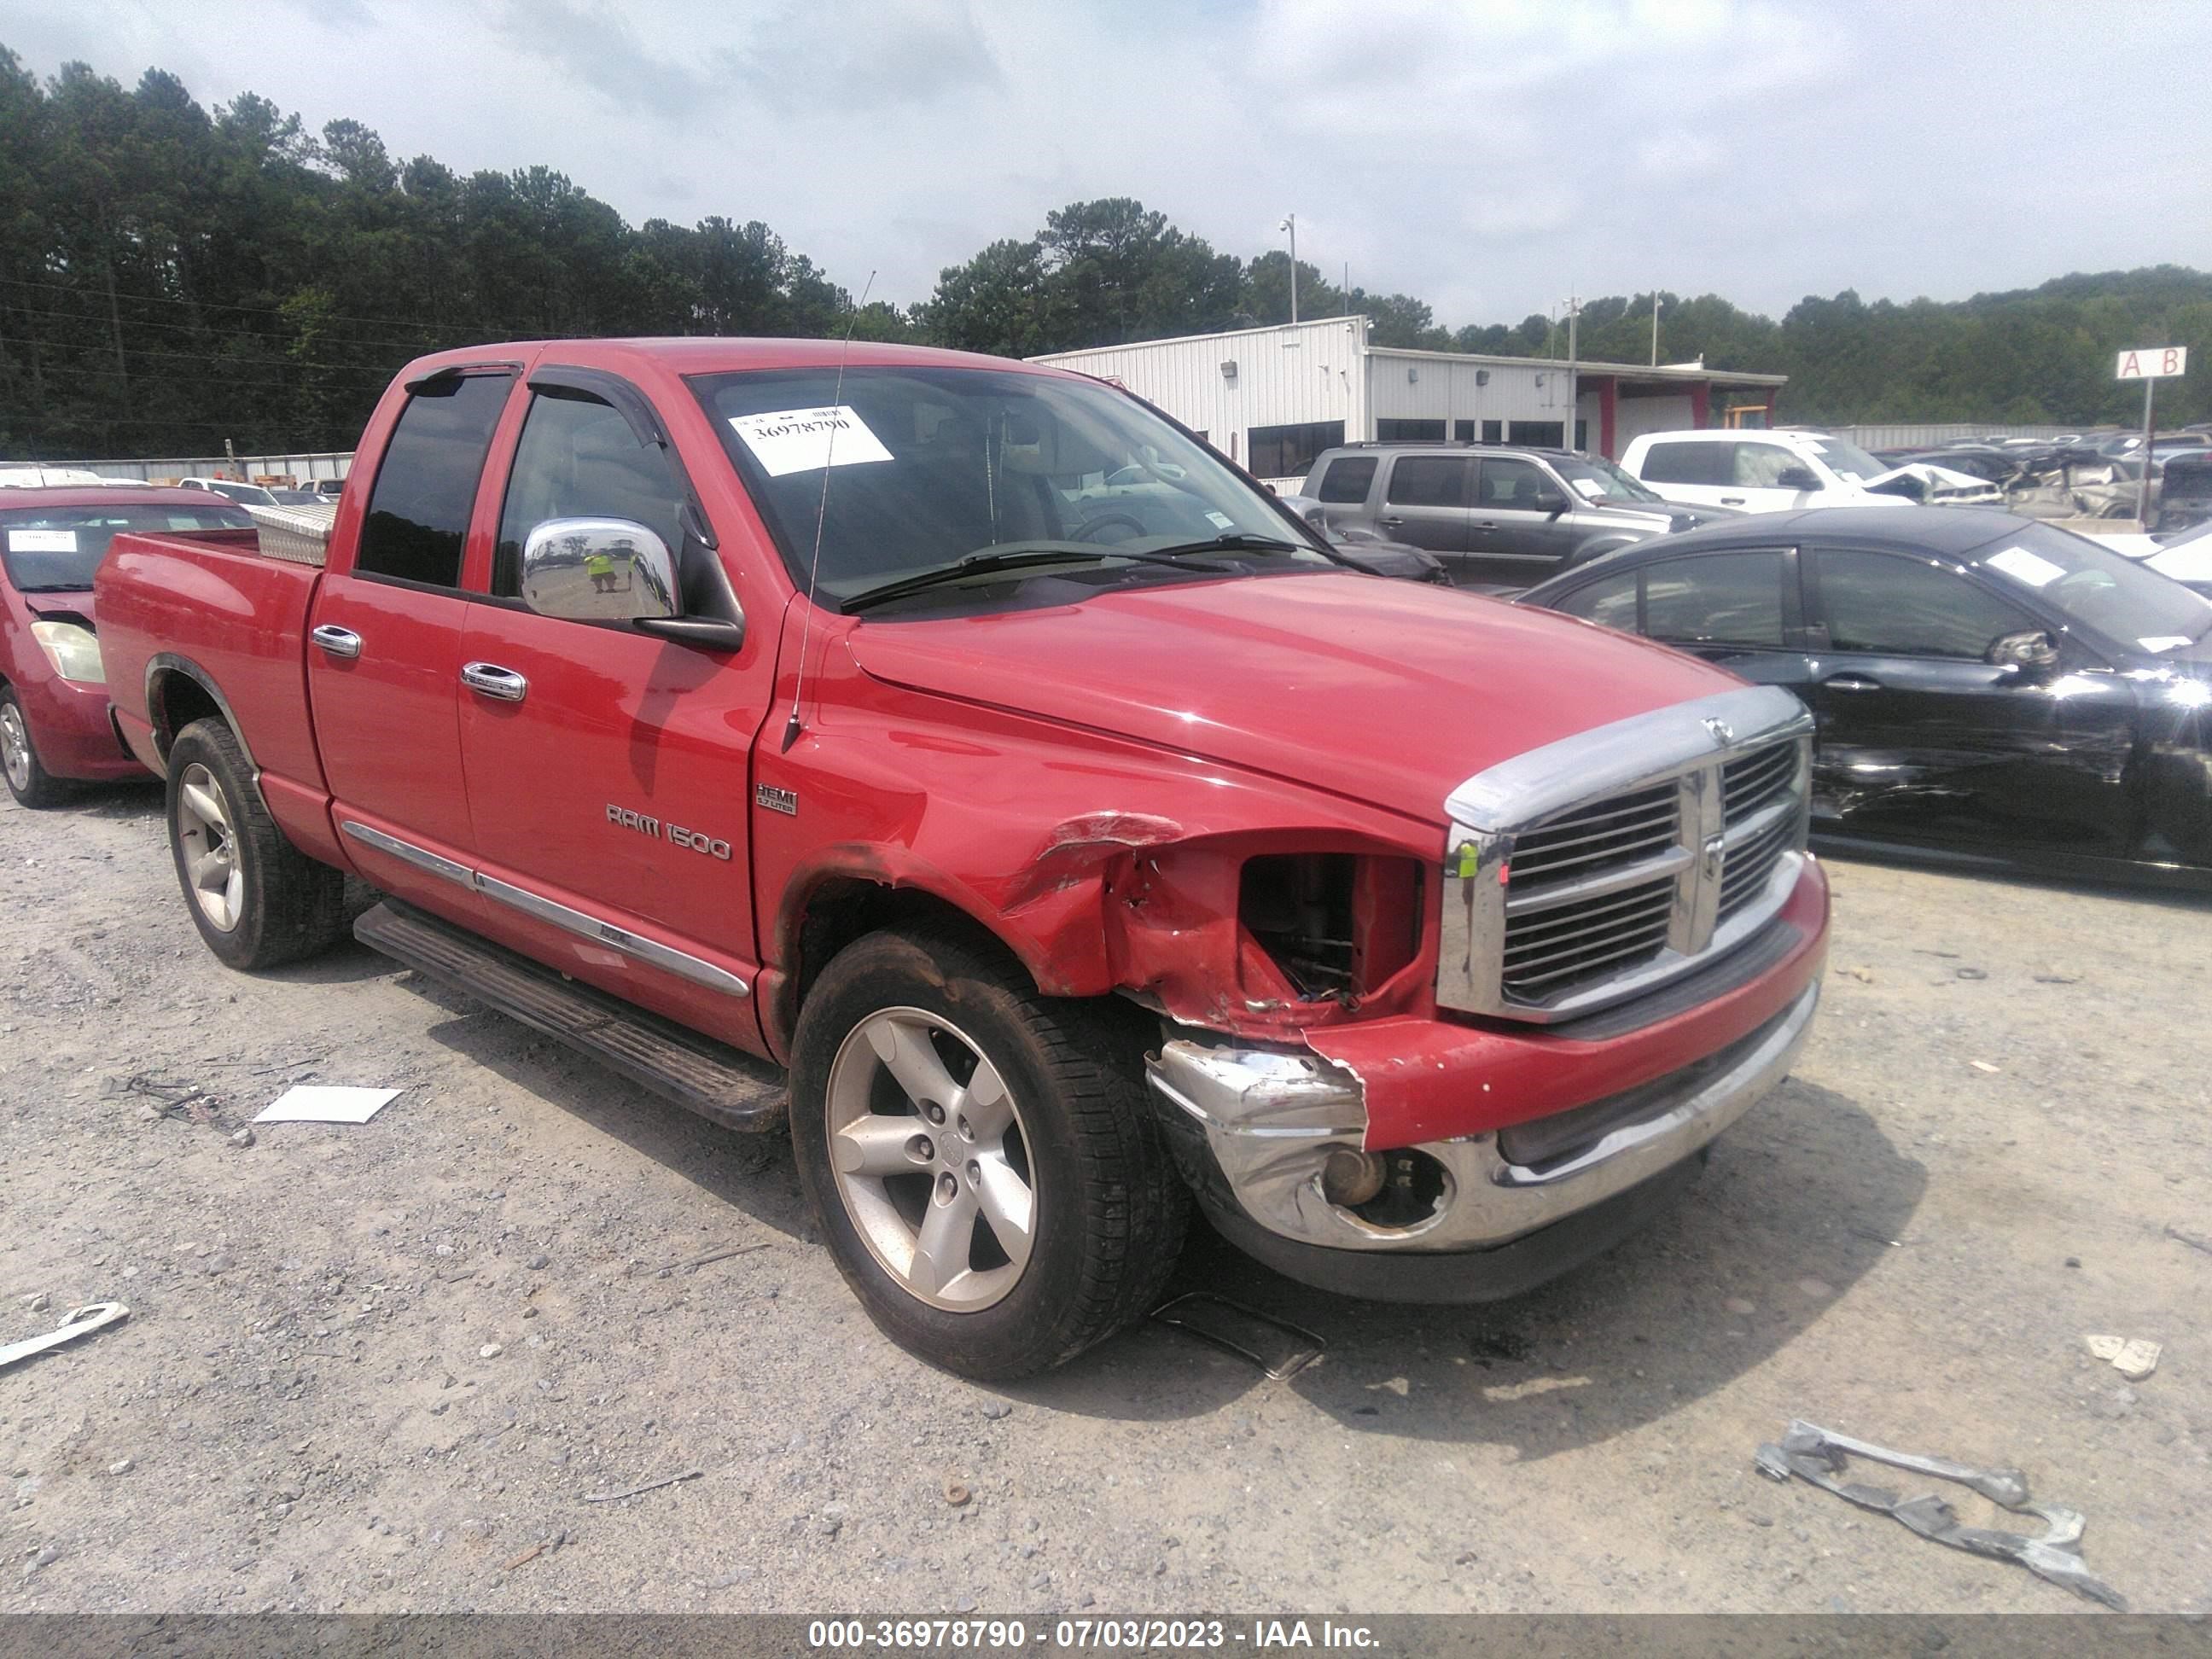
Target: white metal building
[1273,398]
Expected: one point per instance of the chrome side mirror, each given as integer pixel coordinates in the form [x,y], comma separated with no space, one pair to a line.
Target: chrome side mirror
[2031,650]
[599,570]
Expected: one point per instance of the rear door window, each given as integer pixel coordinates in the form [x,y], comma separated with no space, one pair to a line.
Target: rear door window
[1347,480]
[1429,481]
[1610,603]
[426,485]
[1689,464]
[1719,598]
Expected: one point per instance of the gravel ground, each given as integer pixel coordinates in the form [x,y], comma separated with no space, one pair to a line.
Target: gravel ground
[384,1368]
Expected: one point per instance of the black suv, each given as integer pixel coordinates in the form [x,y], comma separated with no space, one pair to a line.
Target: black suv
[1493,512]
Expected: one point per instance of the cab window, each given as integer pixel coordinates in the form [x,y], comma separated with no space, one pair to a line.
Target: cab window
[426,484]
[1689,462]
[578,458]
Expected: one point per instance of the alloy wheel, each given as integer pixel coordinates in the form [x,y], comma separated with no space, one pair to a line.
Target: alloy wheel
[932,1159]
[210,849]
[14,746]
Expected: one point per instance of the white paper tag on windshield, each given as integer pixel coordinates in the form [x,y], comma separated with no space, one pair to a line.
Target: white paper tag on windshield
[42,541]
[2023,566]
[1221,521]
[805,439]
[1590,487]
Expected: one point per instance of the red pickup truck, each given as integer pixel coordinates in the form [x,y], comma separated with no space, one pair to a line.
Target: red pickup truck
[960,762]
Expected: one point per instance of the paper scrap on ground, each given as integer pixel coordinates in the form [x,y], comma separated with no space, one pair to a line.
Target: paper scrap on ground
[805,440]
[322,1102]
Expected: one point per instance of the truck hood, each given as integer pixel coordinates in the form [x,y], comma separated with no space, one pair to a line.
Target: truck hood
[1389,693]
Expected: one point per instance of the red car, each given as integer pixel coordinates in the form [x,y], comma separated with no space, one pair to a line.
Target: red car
[55,724]
[959,764]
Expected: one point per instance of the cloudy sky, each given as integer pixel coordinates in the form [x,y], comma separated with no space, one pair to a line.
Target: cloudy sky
[1487,155]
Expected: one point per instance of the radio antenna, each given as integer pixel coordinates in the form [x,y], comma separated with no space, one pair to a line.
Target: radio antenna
[791,728]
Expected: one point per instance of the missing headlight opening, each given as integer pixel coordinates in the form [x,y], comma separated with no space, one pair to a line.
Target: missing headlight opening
[1335,924]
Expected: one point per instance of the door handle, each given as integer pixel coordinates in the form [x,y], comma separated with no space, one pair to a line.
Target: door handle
[1731,501]
[338,642]
[1486,524]
[493,681]
[1851,683]
[1393,522]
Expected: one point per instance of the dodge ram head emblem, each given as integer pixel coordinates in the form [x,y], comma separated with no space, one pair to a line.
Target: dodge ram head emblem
[1723,733]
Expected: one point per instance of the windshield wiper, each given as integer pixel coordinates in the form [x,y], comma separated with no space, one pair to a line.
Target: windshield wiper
[978,563]
[1233,541]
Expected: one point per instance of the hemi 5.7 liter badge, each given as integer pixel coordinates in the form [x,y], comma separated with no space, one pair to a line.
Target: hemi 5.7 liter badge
[785,801]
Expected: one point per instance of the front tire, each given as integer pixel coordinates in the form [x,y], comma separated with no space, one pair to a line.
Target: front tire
[258,901]
[981,1160]
[28,781]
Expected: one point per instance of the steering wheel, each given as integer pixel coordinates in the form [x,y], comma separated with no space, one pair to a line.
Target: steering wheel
[1082,532]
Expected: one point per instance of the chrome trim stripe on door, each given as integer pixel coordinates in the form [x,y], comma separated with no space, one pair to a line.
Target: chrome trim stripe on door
[420,857]
[605,932]
[682,963]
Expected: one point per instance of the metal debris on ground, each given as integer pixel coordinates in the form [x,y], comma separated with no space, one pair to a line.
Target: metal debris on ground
[1820,1456]
[650,1485]
[80,1322]
[724,1255]
[2133,1358]
[181,1101]
[1276,1346]
[2195,1240]
[324,1103]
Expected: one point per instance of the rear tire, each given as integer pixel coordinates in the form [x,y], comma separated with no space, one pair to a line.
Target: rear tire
[28,781]
[1005,1200]
[258,901]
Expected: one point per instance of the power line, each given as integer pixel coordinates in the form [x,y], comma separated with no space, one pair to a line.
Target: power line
[99,321]
[101,348]
[222,305]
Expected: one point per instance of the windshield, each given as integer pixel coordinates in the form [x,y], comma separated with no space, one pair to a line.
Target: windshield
[926,466]
[1847,460]
[2099,588]
[1597,479]
[57,549]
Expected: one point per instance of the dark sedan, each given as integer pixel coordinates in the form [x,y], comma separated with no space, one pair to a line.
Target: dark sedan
[1984,686]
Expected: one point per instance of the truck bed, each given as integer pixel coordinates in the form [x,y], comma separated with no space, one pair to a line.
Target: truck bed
[211,601]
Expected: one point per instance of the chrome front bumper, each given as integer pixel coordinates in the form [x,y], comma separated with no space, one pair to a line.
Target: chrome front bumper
[1271,1120]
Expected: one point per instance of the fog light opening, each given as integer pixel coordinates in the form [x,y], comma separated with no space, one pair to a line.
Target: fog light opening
[1414,1190]
[1350,1179]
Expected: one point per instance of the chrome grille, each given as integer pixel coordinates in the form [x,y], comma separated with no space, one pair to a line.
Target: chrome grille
[1746,867]
[1606,864]
[1615,831]
[1752,780]
[1550,949]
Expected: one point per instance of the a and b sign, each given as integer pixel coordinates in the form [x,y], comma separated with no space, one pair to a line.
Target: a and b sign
[2154,363]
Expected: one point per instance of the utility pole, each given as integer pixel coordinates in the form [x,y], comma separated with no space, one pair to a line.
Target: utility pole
[1655,328]
[2142,494]
[1574,319]
[1291,224]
